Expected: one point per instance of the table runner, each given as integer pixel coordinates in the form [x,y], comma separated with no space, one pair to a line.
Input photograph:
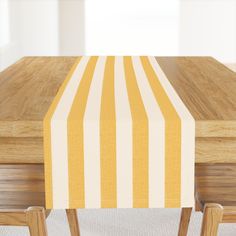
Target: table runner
[117,135]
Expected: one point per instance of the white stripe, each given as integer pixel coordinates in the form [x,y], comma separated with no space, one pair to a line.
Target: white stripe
[188,138]
[92,139]
[156,125]
[124,156]
[59,139]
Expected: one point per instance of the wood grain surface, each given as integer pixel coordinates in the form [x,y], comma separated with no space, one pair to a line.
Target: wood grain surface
[22,185]
[215,150]
[21,150]
[30,150]
[33,217]
[229,215]
[215,183]
[184,221]
[72,218]
[36,221]
[10,217]
[212,217]
[207,88]
[27,89]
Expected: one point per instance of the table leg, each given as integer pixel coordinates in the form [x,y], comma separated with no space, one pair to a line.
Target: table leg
[36,221]
[184,221]
[73,222]
[212,217]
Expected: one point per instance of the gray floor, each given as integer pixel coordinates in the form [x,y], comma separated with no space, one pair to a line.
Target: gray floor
[122,222]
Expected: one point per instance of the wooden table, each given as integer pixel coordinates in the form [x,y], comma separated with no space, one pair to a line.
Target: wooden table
[207,88]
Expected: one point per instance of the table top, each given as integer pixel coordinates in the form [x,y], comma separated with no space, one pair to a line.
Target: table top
[207,88]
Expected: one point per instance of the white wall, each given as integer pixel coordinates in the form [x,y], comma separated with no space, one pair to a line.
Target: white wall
[9,50]
[208,27]
[157,27]
[71,27]
[4,21]
[38,27]
[78,27]
[132,27]
[33,30]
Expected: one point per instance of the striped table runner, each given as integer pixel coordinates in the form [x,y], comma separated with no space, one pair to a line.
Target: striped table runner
[117,135]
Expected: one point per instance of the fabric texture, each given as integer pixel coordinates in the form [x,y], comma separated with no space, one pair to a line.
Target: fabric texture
[117,135]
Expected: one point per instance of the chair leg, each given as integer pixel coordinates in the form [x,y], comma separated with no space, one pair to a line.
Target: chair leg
[36,221]
[184,221]
[73,222]
[212,217]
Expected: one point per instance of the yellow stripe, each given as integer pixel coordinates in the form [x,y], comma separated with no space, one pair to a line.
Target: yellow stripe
[140,138]
[172,138]
[75,138]
[47,137]
[108,138]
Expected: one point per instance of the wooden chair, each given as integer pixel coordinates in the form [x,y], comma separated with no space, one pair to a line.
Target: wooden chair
[213,215]
[35,219]
[214,196]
